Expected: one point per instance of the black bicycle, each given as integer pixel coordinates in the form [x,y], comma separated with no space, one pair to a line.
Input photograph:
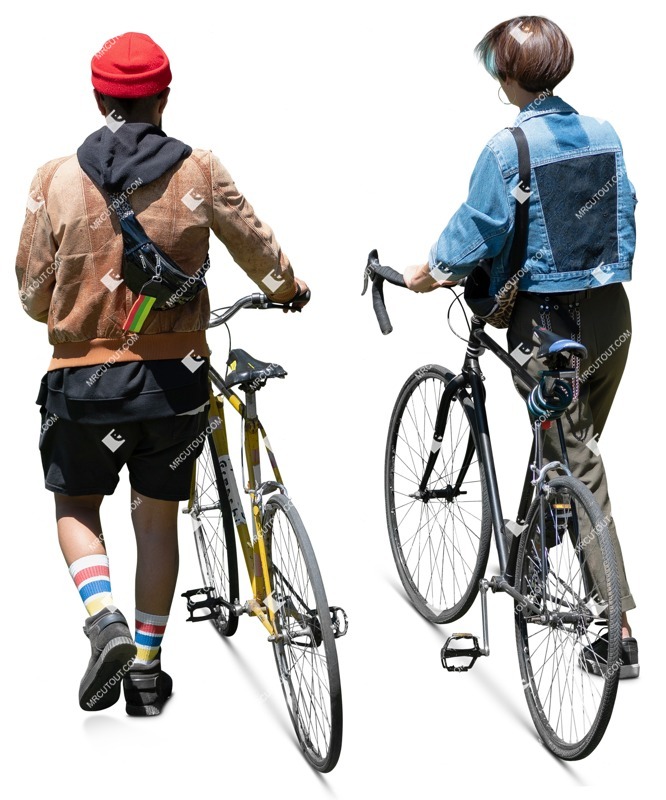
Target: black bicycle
[556,559]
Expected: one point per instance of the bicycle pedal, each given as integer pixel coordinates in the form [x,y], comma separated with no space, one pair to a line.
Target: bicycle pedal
[211,603]
[339,621]
[469,653]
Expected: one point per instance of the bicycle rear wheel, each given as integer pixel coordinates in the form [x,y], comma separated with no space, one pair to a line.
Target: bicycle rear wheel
[440,545]
[305,652]
[214,534]
[569,653]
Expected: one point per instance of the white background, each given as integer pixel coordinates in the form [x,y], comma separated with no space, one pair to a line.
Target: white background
[348,126]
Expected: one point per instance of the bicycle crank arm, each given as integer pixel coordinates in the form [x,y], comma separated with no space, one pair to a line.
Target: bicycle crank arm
[212,603]
[498,584]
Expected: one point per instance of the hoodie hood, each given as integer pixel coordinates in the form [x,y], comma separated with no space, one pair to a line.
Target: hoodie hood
[136,151]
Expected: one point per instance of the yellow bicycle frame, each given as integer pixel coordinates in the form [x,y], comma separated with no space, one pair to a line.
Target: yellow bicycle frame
[253,546]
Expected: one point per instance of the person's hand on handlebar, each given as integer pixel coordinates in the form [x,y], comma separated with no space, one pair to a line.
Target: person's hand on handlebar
[300,299]
[419,279]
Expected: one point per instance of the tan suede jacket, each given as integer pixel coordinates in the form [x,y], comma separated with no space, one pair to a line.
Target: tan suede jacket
[69,261]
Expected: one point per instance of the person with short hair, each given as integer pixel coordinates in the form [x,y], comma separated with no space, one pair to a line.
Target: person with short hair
[128,384]
[580,247]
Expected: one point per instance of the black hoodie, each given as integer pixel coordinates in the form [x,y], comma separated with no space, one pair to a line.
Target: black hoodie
[136,151]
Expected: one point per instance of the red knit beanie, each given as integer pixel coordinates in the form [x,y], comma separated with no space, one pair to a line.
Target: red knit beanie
[131,65]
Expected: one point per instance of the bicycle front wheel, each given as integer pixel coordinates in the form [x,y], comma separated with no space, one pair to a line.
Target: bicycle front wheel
[440,542]
[214,534]
[304,648]
[569,652]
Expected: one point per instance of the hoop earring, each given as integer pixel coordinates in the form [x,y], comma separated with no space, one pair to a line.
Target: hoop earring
[509,103]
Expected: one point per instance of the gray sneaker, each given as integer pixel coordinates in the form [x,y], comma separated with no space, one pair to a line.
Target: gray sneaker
[594,657]
[147,688]
[112,654]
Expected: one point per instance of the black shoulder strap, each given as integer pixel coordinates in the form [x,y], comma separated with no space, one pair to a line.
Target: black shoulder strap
[134,236]
[519,244]
[121,205]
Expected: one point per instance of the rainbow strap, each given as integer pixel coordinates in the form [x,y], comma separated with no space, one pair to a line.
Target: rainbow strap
[138,313]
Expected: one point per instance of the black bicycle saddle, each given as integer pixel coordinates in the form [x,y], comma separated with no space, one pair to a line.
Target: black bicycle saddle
[250,373]
[552,343]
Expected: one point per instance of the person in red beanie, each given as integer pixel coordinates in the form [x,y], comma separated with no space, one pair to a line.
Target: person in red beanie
[124,387]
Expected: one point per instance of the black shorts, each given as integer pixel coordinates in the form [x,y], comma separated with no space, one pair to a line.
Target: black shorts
[81,459]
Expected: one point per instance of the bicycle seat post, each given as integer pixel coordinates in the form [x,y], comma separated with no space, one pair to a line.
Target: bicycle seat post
[251,424]
[251,405]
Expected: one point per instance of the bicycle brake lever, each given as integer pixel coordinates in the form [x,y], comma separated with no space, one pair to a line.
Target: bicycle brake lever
[369,271]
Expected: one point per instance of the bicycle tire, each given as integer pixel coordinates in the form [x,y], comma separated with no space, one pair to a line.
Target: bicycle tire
[551,653]
[305,652]
[454,551]
[214,534]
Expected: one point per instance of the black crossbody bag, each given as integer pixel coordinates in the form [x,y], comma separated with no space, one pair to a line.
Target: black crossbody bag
[149,272]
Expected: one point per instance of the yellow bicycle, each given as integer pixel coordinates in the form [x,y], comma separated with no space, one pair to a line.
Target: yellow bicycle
[288,594]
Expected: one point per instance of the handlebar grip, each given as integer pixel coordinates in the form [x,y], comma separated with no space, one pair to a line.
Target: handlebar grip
[380,307]
[390,275]
[297,302]
[379,274]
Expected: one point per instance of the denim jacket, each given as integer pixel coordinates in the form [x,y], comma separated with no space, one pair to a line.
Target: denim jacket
[582,232]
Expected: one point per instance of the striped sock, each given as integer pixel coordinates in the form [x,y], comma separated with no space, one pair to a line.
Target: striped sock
[91,576]
[148,638]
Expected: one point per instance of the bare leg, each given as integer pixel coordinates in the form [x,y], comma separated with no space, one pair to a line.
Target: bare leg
[147,686]
[112,647]
[156,529]
[79,526]
[626,627]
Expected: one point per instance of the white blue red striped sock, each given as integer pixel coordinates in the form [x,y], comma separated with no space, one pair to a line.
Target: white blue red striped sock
[91,576]
[148,638]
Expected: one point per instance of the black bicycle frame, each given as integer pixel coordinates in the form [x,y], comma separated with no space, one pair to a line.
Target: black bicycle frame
[471,378]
